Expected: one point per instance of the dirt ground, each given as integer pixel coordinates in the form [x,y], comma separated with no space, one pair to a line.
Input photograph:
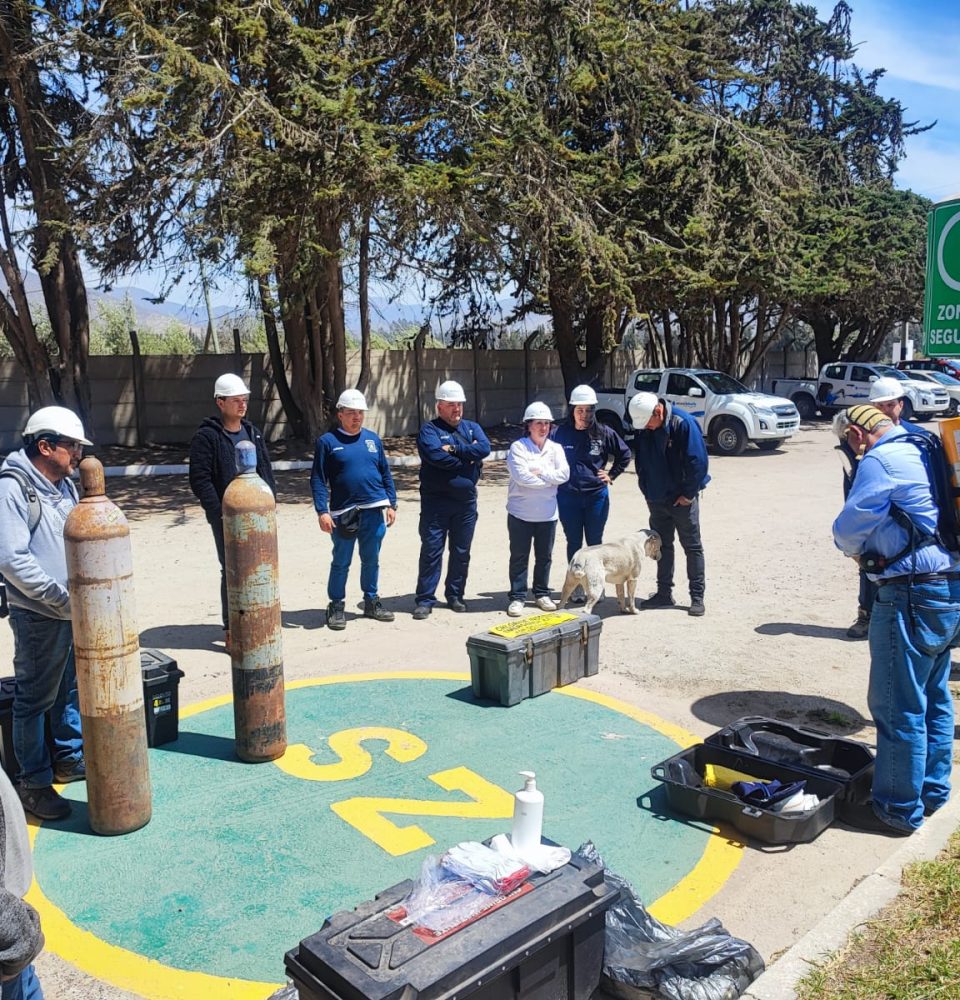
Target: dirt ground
[779,599]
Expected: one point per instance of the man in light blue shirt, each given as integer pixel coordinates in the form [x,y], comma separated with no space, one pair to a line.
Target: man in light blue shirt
[889,524]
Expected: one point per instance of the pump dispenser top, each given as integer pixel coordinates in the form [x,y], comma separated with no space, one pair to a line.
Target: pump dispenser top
[527,815]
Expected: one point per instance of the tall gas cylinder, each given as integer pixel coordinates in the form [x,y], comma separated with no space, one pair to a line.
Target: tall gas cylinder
[950,436]
[253,602]
[107,648]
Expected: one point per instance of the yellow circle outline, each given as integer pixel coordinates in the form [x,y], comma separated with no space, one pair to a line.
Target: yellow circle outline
[155,981]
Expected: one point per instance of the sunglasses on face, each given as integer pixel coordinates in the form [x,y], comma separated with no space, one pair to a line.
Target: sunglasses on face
[68,444]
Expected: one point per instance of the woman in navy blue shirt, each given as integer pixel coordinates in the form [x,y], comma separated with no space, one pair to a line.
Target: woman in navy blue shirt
[589,447]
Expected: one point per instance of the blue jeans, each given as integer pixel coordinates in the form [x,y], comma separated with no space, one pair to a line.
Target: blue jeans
[583,515]
[26,986]
[522,533]
[442,519]
[368,538]
[46,685]
[868,593]
[909,698]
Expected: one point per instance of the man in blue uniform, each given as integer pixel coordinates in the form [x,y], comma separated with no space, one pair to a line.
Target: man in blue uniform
[889,524]
[670,457]
[356,501]
[452,451]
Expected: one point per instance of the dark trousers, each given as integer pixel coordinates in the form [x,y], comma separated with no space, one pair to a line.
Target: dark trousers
[583,516]
[217,528]
[444,521]
[868,593]
[667,519]
[522,533]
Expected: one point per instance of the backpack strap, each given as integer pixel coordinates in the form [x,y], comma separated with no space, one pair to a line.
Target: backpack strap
[34,507]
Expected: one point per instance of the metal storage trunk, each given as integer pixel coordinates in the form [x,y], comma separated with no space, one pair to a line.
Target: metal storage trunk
[533,655]
[546,944]
[683,778]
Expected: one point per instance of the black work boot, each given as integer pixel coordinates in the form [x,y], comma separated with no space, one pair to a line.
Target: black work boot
[661,599]
[375,610]
[860,628]
[696,609]
[335,616]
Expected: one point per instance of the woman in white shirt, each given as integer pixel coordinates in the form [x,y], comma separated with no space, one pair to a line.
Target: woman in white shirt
[537,467]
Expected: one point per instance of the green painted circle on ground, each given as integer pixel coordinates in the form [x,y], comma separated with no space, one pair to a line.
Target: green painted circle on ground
[240,862]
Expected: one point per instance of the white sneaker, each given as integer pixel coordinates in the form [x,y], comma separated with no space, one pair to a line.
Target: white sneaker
[515,609]
[546,604]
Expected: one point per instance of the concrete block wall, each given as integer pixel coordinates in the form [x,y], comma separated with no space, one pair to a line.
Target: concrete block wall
[177,392]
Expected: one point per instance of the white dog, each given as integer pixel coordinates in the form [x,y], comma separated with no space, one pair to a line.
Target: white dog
[616,562]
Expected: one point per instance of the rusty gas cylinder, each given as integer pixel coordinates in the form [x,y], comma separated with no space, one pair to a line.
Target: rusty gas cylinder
[253,602]
[107,647]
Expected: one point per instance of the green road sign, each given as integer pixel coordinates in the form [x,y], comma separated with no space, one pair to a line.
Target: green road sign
[941,311]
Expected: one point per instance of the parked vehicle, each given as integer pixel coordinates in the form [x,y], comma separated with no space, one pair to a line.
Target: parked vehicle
[950,366]
[945,381]
[846,383]
[729,414]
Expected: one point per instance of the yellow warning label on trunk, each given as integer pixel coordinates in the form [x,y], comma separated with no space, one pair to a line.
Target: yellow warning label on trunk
[534,623]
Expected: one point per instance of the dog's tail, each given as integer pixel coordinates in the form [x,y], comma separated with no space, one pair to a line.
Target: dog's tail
[578,565]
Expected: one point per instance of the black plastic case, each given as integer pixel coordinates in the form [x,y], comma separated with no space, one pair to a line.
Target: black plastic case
[544,945]
[838,771]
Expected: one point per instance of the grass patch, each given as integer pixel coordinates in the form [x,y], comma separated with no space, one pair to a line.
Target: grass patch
[911,951]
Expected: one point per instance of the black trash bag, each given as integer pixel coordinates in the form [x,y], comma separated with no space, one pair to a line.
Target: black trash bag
[643,957]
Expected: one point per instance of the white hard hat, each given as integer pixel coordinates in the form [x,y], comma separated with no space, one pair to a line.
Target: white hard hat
[230,385]
[55,420]
[351,399]
[583,395]
[450,392]
[886,389]
[641,409]
[537,411]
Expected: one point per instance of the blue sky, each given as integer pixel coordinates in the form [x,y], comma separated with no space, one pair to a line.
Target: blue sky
[918,43]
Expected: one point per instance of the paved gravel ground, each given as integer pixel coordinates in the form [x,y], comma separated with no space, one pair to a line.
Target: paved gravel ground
[779,599]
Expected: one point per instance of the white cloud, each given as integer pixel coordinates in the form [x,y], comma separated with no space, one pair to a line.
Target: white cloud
[905,54]
[931,169]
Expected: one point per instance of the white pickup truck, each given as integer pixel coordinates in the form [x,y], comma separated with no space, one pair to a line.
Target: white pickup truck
[729,414]
[847,383]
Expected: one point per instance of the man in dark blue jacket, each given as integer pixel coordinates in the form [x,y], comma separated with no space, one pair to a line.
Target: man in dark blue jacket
[452,451]
[213,462]
[671,462]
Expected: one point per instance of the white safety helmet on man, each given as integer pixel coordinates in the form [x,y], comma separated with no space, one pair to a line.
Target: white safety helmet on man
[537,411]
[886,389]
[351,399]
[450,392]
[54,421]
[230,385]
[641,409]
[583,395]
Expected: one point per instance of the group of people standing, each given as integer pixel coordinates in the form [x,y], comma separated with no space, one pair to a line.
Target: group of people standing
[557,473]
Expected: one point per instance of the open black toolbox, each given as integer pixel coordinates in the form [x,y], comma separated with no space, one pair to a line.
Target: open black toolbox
[838,771]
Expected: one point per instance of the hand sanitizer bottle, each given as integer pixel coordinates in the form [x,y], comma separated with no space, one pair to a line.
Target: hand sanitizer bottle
[527,815]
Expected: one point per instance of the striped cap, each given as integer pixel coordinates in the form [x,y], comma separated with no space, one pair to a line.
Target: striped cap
[867,417]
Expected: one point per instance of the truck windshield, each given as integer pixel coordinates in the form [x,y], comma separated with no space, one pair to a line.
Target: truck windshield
[721,384]
[888,372]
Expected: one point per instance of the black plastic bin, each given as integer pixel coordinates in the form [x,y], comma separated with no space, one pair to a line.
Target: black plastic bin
[683,779]
[546,944]
[8,687]
[161,700]
[848,762]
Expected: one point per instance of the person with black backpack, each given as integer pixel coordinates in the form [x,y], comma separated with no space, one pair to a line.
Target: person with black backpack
[900,523]
[36,496]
